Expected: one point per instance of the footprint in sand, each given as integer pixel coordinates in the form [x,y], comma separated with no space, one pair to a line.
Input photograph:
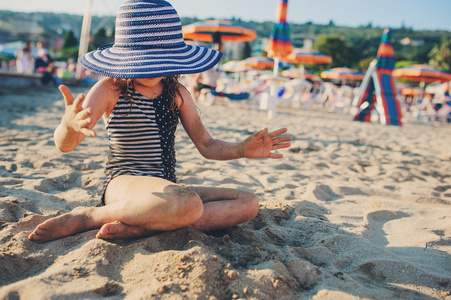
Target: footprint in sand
[401,272]
[59,183]
[10,210]
[323,193]
[87,165]
[375,223]
[444,190]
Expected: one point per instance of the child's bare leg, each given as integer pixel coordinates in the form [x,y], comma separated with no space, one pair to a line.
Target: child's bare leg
[225,208]
[137,204]
[78,220]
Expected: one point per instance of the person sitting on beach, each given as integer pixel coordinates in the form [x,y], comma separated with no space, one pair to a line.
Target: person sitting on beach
[141,102]
[204,80]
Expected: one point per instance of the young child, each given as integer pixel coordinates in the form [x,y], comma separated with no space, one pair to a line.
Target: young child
[141,102]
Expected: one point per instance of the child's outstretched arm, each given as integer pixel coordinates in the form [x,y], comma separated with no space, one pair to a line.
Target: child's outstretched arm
[82,114]
[74,124]
[259,145]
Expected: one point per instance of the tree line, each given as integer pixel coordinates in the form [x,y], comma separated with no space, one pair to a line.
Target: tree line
[353,47]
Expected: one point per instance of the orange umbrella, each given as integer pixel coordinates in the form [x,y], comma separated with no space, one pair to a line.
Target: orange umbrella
[258,62]
[205,30]
[407,90]
[422,73]
[342,73]
[304,56]
[296,73]
[217,31]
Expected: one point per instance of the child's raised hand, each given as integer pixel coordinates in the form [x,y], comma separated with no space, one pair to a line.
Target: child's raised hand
[261,144]
[75,117]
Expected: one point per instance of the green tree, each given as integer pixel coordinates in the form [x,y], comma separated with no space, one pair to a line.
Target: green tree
[70,46]
[67,53]
[70,40]
[441,55]
[365,63]
[100,38]
[335,46]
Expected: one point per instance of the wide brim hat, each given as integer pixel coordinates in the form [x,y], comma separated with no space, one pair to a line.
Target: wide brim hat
[149,44]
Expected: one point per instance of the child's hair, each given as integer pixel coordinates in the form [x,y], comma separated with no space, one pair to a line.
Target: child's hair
[127,88]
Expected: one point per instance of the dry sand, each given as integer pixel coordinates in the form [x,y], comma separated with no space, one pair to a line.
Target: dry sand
[353,210]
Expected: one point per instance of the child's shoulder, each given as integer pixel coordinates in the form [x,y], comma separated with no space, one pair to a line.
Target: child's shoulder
[107,82]
[183,96]
[105,91]
[184,91]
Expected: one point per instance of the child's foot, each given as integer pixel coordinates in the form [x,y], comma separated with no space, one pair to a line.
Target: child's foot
[118,230]
[78,220]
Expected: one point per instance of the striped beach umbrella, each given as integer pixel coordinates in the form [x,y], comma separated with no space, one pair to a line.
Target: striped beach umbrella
[422,73]
[385,55]
[378,88]
[218,31]
[279,46]
[280,41]
[307,57]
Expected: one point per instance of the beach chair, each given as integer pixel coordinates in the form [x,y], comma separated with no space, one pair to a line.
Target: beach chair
[294,91]
[443,115]
[329,95]
[424,112]
[233,97]
[343,100]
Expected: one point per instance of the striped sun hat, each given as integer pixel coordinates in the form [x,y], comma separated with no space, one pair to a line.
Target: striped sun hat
[148,44]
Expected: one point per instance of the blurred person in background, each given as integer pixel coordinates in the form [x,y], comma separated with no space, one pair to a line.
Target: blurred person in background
[24,59]
[42,57]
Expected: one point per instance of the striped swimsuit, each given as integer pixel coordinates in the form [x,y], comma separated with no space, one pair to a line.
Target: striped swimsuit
[141,135]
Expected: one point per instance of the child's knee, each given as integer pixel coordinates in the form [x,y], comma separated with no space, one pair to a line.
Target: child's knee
[187,205]
[253,206]
[250,205]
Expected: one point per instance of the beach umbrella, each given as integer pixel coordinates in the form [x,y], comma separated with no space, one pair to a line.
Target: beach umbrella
[343,74]
[407,90]
[385,57]
[217,31]
[234,66]
[422,73]
[306,57]
[378,88]
[9,49]
[258,62]
[410,91]
[279,45]
[296,73]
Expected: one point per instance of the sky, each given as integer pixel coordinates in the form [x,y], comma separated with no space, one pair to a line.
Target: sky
[417,14]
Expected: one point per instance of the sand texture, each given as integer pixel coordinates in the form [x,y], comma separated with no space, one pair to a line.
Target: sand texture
[353,211]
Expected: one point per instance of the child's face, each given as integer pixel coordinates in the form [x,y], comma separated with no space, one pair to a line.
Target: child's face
[148,81]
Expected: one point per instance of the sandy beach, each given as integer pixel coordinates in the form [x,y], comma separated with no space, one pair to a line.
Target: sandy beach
[353,211]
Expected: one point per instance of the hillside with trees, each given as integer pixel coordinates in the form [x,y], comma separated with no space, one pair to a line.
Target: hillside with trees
[351,47]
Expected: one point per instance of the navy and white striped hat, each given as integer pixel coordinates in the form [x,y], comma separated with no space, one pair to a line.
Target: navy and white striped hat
[148,44]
